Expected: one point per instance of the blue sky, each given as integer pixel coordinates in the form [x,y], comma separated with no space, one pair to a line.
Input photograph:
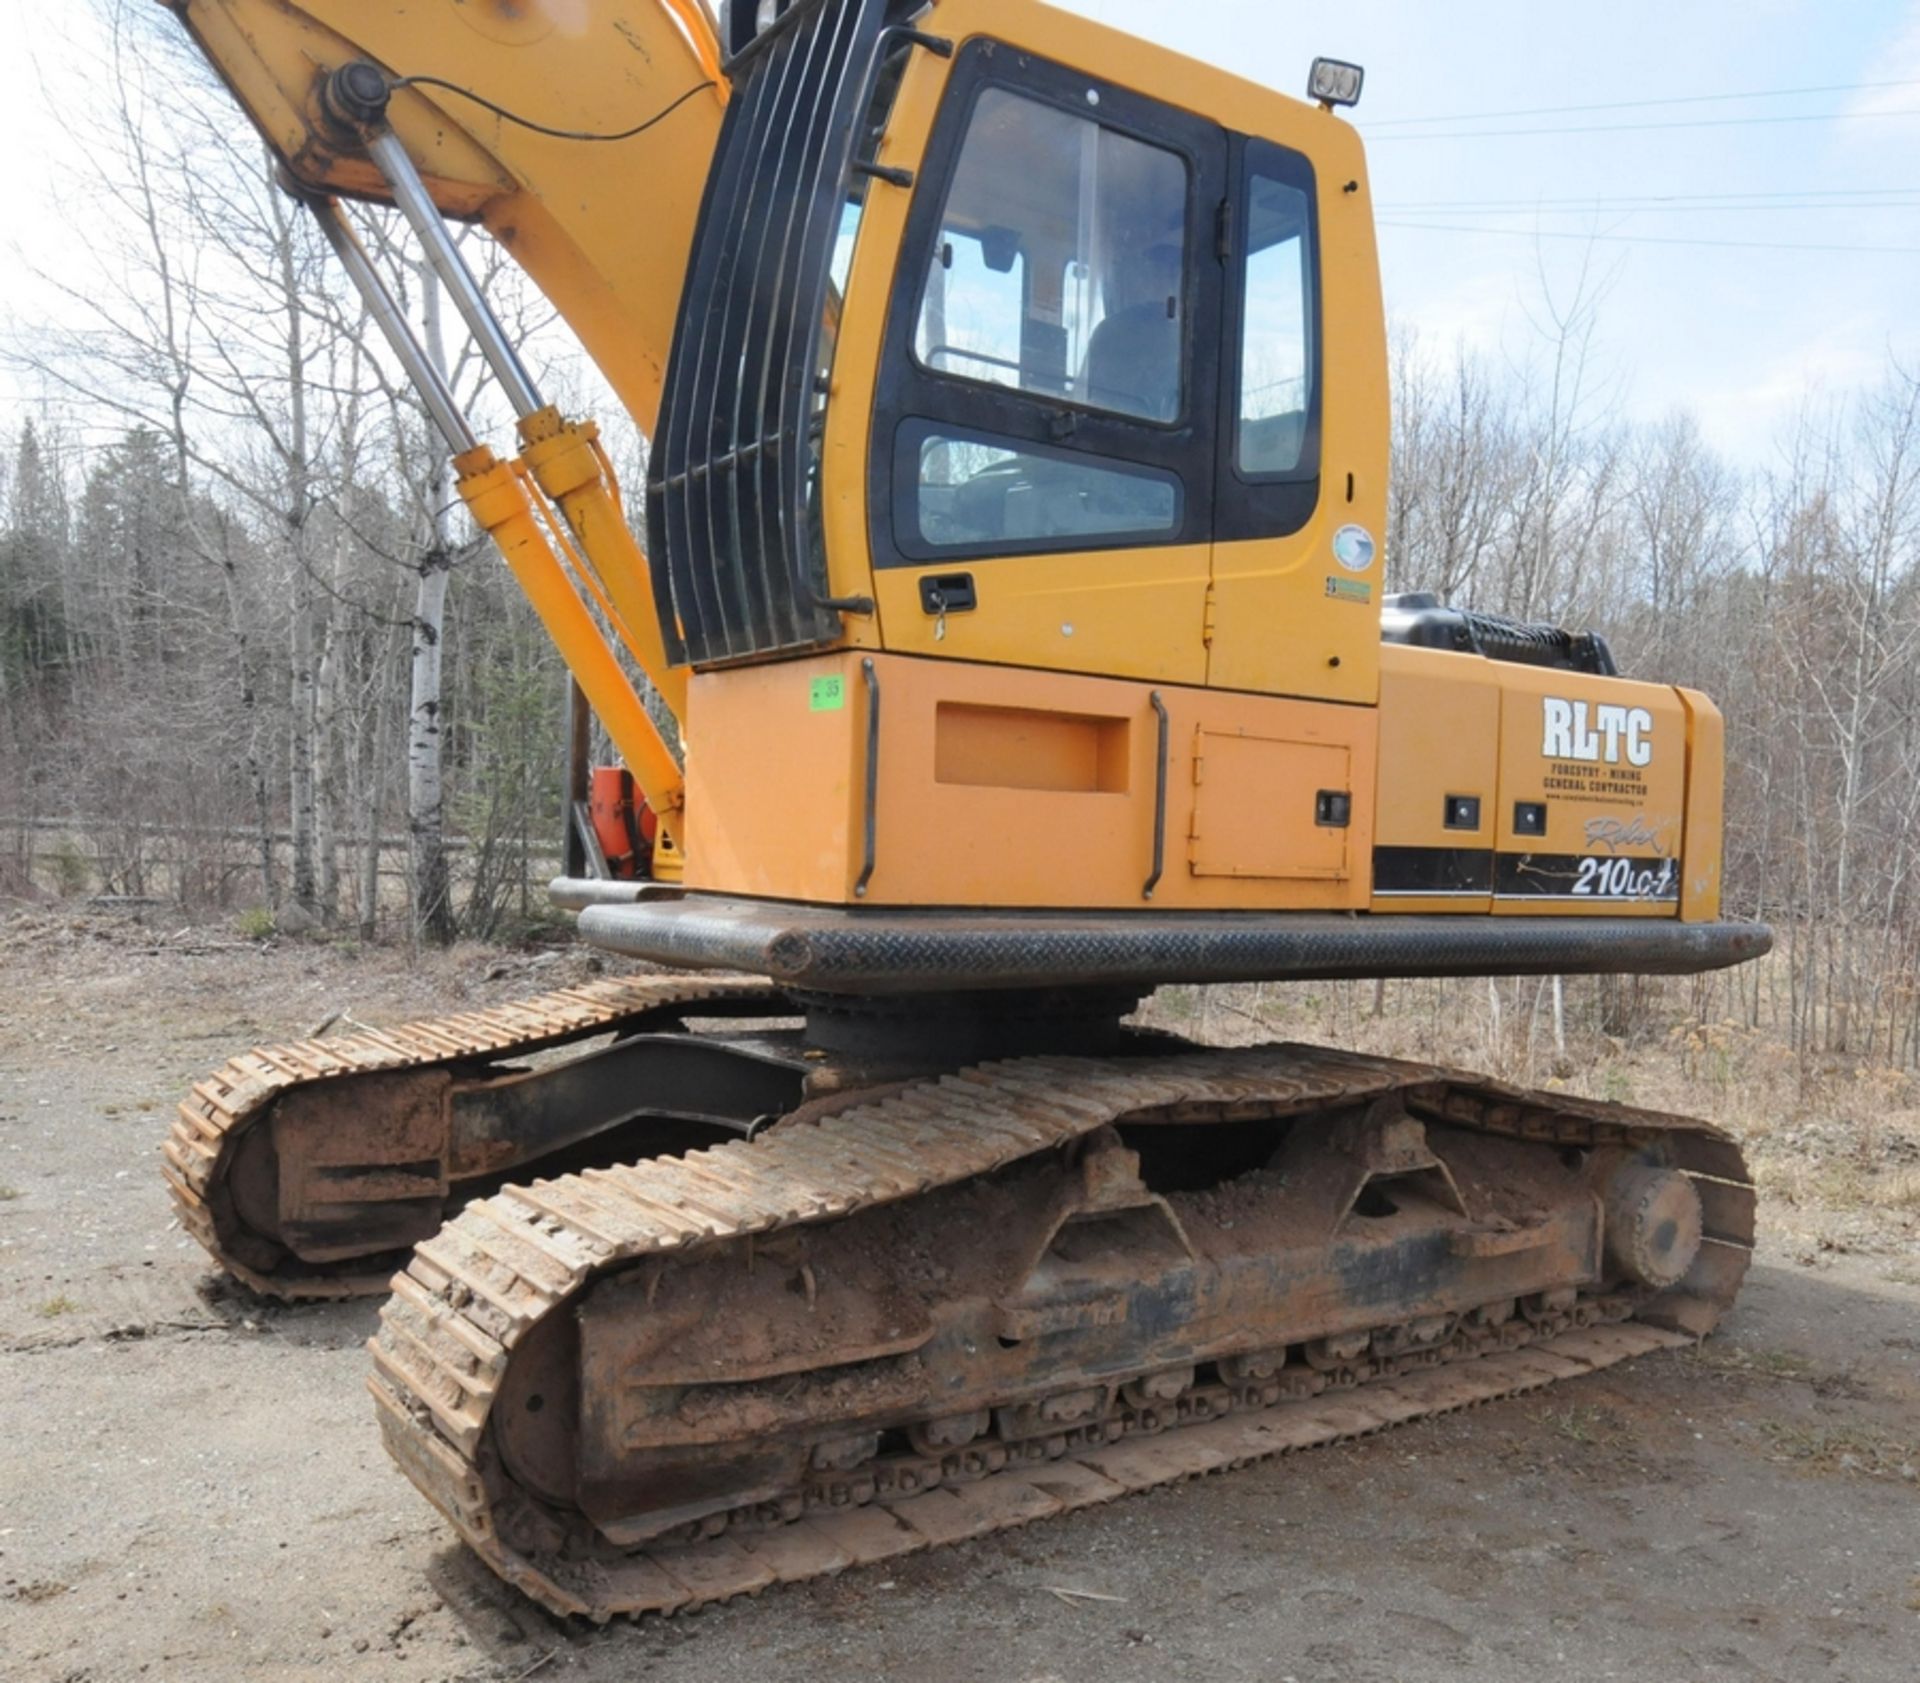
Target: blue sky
[1737,335]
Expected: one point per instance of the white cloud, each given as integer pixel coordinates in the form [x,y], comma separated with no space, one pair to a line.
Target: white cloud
[1898,61]
[1747,419]
[1475,313]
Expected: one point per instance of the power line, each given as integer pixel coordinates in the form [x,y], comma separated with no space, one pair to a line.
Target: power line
[1602,200]
[1633,128]
[1650,239]
[1626,207]
[1644,104]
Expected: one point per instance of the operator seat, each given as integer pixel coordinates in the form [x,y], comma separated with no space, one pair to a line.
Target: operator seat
[1133,362]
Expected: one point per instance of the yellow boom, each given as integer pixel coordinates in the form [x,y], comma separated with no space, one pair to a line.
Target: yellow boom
[648,73]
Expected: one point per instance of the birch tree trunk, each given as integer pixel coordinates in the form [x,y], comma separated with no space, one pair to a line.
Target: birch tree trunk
[375,806]
[294,492]
[426,809]
[303,886]
[326,759]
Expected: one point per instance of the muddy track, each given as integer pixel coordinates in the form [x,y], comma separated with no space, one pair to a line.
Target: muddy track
[472,1295]
[240,1096]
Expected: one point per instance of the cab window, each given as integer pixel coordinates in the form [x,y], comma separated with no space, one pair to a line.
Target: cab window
[1060,268]
[980,494]
[1055,364]
[1276,339]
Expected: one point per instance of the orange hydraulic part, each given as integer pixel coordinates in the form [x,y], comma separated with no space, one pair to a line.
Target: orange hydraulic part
[567,213]
[623,823]
[502,503]
[570,465]
[453,68]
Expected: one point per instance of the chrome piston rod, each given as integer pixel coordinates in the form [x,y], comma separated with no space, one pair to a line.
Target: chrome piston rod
[435,393]
[423,216]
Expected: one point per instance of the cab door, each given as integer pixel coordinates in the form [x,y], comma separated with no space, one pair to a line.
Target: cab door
[1299,499]
[1043,464]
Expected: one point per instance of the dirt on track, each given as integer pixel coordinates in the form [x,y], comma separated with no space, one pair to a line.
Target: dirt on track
[191,1485]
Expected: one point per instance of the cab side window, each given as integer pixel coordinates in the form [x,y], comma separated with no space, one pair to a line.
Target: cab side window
[1269,466]
[1276,340]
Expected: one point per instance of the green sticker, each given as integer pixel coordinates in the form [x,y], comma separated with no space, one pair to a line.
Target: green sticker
[828,695]
[1349,590]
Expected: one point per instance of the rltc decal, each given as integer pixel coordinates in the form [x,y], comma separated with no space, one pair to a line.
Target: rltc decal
[1607,734]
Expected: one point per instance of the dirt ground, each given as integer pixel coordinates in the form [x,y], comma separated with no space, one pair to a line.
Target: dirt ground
[191,1486]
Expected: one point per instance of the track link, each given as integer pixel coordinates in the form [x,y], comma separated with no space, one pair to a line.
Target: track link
[217,1114]
[472,1295]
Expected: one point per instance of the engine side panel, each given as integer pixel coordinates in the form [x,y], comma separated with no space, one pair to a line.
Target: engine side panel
[1000,786]
[1526,791]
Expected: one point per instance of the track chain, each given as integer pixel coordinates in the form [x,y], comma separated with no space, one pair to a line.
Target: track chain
[219,1110]
[472,1293]
[898,1476]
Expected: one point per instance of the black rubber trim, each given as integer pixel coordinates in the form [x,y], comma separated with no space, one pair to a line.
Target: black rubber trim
[1159,796]
[870,830]
[835,950]
[1432,870]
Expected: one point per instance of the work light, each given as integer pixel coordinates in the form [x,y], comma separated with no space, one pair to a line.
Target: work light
[1333,82]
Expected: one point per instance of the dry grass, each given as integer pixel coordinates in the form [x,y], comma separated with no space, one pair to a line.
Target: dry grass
[1769,1364]
[1834,1143]
[1584,1423]
[1898,1191]
[1837,1450]
[55,1307]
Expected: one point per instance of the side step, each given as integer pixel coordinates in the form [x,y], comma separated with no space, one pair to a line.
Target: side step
[878,950]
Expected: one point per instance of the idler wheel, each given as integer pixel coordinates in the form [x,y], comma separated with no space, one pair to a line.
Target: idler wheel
[1653,1225]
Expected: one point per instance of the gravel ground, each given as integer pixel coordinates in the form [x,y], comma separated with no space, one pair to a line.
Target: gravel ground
[192,1486]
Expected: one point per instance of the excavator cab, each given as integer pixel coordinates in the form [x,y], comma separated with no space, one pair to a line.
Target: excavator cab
[1017,400]
[1081,351]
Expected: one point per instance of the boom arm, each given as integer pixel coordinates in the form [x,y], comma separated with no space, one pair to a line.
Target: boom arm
[603,228]
[440,110]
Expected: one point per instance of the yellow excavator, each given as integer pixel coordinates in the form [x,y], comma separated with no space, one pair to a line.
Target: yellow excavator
[1017,404]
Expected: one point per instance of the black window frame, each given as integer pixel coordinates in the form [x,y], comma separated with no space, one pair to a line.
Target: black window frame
[1271,505]
[1007,417]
